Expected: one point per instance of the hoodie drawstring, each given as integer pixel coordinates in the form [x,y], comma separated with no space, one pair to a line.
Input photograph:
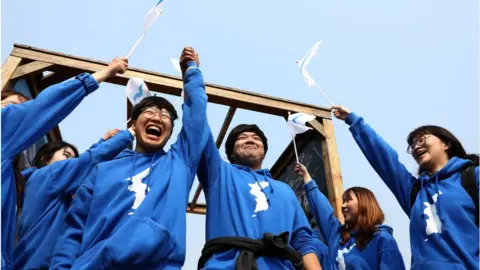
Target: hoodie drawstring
[439,211]
[260,186]
[130,182]
[149,173]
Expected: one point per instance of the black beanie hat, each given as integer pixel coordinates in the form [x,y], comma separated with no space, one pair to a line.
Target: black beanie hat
[236,131]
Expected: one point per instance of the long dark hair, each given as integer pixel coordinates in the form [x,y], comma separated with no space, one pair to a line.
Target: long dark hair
[455,148]
[369,216]
[19,180]
[46,152]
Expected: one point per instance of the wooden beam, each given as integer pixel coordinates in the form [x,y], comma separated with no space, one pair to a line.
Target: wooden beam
[332,169]
[8,69]
[220,137]
[30,69]
[198,209]
[318,127]
[56,77]
[173,85]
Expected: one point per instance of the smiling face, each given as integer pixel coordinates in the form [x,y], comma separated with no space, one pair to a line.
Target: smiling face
[62,154]
[428,150]
[248,149]
[153,128]
[350,207]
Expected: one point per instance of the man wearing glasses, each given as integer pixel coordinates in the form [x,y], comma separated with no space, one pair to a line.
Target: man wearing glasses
[131,211]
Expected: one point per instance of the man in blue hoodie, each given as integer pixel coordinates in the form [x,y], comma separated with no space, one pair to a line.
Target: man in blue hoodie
[252,219]
[130,212]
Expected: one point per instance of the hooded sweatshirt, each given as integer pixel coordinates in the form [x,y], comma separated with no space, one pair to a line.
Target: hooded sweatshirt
[48,196]
[22,125]
[443,235]
[246,203]
[321,249]
[380,253]
[130,212]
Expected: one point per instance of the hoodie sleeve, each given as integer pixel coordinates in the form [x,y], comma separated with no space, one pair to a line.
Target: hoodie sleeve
[383,159]
[209,167]
[23,124]
[68,175]
[301,240]
[390,257]
[68,245]
[328,224]
[193,136]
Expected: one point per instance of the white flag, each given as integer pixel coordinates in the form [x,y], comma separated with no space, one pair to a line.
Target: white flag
[297,122]
[303,63]
[151,16]
[136,90]
[176,65]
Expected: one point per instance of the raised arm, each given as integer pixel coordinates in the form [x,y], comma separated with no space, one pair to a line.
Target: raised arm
[23,124]
[69,174]
[302,240]
[193,136]
[68,245]
[208,170]
[381,156]
[328,224]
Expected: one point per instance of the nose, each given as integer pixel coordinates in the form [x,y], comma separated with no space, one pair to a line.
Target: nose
[344,205]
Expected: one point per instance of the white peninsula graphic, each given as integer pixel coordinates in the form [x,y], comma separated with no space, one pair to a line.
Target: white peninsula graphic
[138,187]
[260,198]
[434,224]
[340,256]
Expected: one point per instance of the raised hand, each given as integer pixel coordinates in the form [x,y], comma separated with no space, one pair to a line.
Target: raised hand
[118,65]
[111,133]
[301,170]
[188,54]
[340,112]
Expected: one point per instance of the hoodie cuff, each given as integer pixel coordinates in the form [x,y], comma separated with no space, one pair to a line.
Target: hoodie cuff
[89,83]
[310,185]
[191,64]
[351,118]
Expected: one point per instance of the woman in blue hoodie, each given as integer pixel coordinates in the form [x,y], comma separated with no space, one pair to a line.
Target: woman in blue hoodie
[24,122]
[443,229]
[363,242]
[58,172]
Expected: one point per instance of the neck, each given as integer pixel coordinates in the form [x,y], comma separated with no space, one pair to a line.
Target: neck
[437,166]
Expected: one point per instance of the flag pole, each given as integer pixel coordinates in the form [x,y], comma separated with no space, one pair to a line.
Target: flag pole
[294,143]
[323,93]
[136,44]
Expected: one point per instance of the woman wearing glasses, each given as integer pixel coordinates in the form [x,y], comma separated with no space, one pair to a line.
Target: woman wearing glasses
[443,217]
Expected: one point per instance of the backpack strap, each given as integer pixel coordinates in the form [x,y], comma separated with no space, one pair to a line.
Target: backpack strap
[414,192]
[469,183]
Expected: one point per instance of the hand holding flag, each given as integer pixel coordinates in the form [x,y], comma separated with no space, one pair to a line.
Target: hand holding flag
[302,65]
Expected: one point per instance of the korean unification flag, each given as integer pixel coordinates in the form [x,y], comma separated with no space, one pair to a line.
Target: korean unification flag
[136,90]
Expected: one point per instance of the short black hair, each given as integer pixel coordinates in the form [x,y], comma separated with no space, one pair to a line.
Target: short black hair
[236,131]
[46,152]
[154,101]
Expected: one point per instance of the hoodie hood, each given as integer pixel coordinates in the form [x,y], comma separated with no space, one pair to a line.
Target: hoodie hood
[28,172]
[454,165]
[385,228]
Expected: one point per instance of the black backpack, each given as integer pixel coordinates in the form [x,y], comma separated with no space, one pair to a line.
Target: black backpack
[469,183]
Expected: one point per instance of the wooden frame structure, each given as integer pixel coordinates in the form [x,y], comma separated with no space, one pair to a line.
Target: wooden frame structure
[29,63]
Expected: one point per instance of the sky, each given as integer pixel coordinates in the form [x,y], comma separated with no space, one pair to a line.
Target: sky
[399,64]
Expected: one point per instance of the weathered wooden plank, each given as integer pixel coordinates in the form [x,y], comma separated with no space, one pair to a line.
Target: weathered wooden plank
[332,169]
[31,68]
[9,68]
[173,85]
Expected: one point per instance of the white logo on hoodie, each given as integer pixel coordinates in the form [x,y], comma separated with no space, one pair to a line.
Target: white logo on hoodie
[138,188]
[260,198]
[434,224]
[340,256]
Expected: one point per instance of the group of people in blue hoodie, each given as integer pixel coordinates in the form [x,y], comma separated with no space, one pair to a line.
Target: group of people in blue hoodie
[117,208]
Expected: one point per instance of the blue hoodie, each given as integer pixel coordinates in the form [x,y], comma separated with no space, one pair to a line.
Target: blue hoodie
[246,203]
[131,212]
[443,235]
[48,196]
[380,253]
[22,125]
[322,249]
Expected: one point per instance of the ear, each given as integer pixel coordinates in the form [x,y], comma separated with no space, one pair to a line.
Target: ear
[134,125]
[447,146]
